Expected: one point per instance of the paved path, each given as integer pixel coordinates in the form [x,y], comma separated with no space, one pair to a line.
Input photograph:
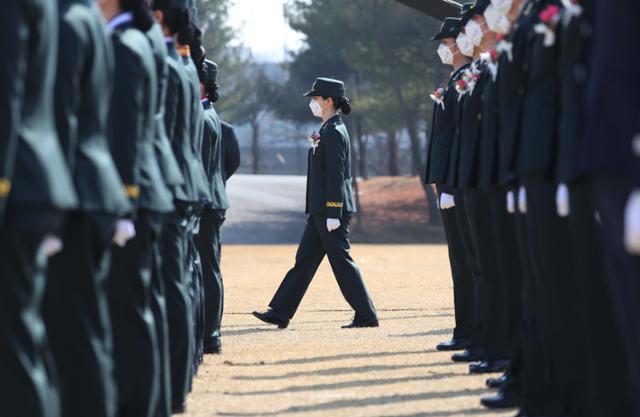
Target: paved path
[265,209]
[316,369]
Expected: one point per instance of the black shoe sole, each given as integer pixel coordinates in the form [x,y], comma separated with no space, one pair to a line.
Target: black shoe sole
[450,348]
[370,323]
[501,405]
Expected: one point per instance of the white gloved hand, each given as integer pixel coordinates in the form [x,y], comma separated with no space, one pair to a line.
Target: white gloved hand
[125,231]
[632,223]
[562,200]
[522,200]
[333,224]
[51,245]
[511,202]
[447,201]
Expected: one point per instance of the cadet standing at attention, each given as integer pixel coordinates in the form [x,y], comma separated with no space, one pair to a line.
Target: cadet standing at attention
[213,215]
[173,16]
[330,205]
[35,189]
[133,111]
[75,306]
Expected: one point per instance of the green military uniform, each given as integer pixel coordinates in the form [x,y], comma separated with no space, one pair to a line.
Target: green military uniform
[329,196]
[133,112]
[213,216]
[75,304]
[35,186]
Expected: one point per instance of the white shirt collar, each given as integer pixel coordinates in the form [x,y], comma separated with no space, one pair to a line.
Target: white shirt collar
[119,20]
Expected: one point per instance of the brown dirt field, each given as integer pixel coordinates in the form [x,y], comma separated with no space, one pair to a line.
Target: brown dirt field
[394,210]
[314,368]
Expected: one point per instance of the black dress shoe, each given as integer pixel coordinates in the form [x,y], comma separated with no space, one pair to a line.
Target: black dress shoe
[273,317]
[358,323]
[178,408]
[213,346]
[453,344]
[503,399]
[489,366]
[498,383]
[471,354]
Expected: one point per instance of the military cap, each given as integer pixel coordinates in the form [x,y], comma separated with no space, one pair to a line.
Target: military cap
[472,9]
[326,87]
[450,29]
[212,70]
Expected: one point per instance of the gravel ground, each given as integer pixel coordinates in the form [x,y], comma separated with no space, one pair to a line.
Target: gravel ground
[314,368]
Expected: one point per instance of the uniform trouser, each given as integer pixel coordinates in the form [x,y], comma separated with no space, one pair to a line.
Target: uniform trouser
[76,315]
[317,242]
[135,342]
[607,362]
[209,246]
[490,297]
[554,269]
[509,286]
[463,290]
[529,367]
[27,387]
[179,305]
[462,215]
[622,269]
[194,269]
[160,318]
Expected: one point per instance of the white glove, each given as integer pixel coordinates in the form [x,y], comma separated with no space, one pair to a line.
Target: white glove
[511,202]
[522,200]
[51,245]
[333,224]
[562,200]
[125,231]
[632,223]
[447,201]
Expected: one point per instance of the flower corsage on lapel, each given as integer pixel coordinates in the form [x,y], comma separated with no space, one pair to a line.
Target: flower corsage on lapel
[314,141]
[549,19]
[438,97]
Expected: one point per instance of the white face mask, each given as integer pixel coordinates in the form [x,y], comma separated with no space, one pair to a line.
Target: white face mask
[503,6]
[445,54]
[496,20]
[316,108]
[474,32]
[465,45]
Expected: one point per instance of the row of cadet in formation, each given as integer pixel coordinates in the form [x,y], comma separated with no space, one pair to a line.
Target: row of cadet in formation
[535,153]
[113,167]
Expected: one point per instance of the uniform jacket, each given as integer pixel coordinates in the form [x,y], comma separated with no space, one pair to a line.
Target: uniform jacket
[85,71]
[612,120]
[31,154]
[230,149]
[512,82]
[329,188]
[167,161]
[488,147]
[132,122]
[177,121]
[538,139]
[212,157]
[197,130]
[442,130]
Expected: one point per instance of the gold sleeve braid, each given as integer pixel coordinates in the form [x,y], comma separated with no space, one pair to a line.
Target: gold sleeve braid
[132,191]
[334,204]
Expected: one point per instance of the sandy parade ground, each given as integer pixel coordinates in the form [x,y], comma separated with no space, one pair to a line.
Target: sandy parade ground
[314,368]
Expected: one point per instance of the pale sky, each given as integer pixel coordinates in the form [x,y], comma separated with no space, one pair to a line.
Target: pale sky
[263,28]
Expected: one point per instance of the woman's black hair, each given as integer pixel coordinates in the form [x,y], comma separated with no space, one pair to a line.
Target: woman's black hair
[342,104]
[212,91]
[142,18]
[176,19]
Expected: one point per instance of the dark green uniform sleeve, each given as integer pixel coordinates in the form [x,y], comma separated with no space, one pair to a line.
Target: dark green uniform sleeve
[231,151]
[127,120]
[14,34]
[335,156]
[69,89]
[171,107]
[208,142]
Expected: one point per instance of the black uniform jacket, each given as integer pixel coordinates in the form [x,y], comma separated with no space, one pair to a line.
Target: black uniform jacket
[31,154]
[230,148]
[85,72]
[329,188]
[212,157]
[132,122]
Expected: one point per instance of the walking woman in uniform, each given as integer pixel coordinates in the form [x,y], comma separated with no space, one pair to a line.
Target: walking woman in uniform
[330,205]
